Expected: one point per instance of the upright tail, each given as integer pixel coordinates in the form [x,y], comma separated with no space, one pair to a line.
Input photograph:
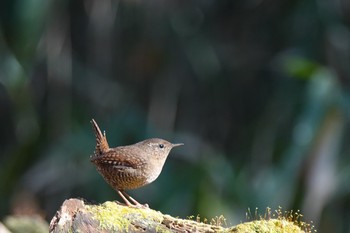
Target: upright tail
[101,140]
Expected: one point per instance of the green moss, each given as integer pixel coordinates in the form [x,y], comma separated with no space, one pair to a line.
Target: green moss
[275,221]
[118,218]
[110,215]
[271,226]
[162,229]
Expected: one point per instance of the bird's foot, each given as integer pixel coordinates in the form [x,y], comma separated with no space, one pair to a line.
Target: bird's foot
[134,203]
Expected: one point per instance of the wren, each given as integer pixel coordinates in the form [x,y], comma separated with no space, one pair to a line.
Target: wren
[129,167]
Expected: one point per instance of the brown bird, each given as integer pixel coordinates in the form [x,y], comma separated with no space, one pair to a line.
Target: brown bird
[129,167]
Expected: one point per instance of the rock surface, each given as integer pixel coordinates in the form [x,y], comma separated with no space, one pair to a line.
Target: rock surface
[77,216]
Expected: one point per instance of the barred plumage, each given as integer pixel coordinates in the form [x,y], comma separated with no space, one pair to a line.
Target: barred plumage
[129,167]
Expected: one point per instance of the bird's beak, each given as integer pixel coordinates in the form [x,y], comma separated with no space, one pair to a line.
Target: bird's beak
[177,144]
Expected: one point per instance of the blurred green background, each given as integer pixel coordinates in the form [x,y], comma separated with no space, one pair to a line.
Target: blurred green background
[257,90]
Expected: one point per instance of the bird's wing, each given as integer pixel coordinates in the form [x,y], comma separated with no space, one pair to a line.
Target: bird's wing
[120,158]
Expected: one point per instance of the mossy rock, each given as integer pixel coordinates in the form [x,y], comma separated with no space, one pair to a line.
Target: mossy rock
[77,216]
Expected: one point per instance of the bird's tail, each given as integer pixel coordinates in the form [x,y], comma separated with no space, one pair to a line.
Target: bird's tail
[101,140]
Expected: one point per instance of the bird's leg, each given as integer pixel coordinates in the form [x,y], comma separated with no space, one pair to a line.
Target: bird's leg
[127,202]
[132,199]
[126,196]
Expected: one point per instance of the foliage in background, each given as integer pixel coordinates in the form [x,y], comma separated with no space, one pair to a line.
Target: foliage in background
[257,90]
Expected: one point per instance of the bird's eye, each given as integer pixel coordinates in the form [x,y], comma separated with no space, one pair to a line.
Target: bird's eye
[161,146]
